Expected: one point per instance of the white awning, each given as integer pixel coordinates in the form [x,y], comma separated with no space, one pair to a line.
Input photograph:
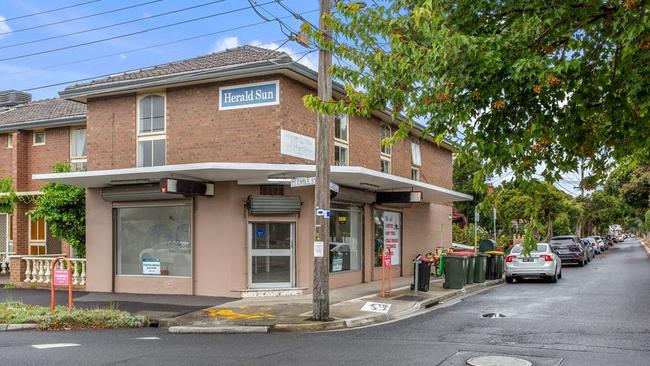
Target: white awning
[254,173]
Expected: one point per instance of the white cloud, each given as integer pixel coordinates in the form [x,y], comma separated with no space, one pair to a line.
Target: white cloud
[122,56]
[4,27]
[308,60]
[225,43]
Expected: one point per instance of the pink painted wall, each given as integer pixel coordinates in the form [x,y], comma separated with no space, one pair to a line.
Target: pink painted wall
[99,242]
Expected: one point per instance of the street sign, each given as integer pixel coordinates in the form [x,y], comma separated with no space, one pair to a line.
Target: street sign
[376,307]
[310,181]
[60,277]
[319,249]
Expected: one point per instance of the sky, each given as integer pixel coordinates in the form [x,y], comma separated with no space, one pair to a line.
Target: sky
[42,58]
[21,36]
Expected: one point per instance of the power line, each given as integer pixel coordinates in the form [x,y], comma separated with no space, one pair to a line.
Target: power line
[139,19]
[303,53]
[81,17]
[151,46]
[52,10]
[126,34]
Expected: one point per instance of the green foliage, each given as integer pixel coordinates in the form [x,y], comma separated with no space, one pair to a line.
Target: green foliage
[7,196]
[466,235]
[64,208]
[647,221]
[64,318]
[527,83]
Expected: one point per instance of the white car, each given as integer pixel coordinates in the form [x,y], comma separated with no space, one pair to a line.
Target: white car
[542,263]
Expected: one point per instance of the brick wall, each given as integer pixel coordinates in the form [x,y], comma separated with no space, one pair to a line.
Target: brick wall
[6,158]
[111,132]
[197,131]
[42,158]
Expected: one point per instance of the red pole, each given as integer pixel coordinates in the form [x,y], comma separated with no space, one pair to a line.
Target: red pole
[52,297]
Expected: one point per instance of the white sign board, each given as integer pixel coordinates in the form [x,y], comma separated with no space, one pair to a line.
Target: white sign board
[319,249]
[376,307]
[151,266]
[392,235]
[311,181]
[297,145]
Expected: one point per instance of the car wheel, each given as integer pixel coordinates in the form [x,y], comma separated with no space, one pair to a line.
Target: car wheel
[509,279]
[581,263]
[559,275]
[553,278]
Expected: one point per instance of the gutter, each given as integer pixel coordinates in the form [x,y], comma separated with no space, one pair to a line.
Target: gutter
[81,94]
[49,123]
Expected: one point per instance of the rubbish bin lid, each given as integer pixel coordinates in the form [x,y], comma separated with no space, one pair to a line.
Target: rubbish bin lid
[463,253]
[497,252]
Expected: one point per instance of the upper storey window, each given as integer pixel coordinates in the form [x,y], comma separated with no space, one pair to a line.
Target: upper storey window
[78,150]
[416,160]
[151,130]
[341,140]
[386,150]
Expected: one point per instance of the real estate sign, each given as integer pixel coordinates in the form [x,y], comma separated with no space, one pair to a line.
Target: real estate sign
[392,235]
[150,266]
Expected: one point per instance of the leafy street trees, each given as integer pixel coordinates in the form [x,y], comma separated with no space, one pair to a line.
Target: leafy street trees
[525,83]
[7,196]
[64,209]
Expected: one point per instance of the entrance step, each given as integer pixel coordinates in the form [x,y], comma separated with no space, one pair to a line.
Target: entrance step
[271,292]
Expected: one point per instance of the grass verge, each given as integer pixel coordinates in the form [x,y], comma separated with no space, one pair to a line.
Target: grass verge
[64,318]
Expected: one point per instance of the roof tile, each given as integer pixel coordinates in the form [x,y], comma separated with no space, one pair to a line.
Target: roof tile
[41,110]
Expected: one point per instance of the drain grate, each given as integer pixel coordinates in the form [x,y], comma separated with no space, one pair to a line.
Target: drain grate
[411,298]
[493,315]
[498,361]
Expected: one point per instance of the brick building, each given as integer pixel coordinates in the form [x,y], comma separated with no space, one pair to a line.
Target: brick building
[34,136]
[234,122]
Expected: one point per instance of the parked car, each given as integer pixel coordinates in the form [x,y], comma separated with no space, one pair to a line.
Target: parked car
[601,243]
[542,263]
[591,251]
[594,245]
[609,240]
[570,249]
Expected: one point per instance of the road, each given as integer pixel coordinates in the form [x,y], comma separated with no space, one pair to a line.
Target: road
[596,315]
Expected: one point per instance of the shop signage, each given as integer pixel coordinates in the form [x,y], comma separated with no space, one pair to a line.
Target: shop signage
[399,197]
[297,145]
[311,181]
[60,277]
[150,266]
[337,264]
[260,233]
[249,95]
[376,307]
[392,235]
[186,187]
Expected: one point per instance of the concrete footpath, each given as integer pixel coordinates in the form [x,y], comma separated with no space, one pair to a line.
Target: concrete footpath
[293,313]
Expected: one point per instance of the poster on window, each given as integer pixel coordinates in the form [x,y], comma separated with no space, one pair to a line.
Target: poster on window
[151,266]
[392,235]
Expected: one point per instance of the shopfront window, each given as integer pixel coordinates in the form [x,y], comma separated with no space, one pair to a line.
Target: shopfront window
[387,233]
[154,241]
[346,238]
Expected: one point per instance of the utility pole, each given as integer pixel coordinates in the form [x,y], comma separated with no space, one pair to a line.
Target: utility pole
[321,298]
[494,222]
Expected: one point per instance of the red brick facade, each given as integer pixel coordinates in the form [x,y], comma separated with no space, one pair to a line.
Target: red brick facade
[197,131]
[20,162]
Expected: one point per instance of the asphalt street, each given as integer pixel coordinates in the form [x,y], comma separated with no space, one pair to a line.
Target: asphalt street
[596,315]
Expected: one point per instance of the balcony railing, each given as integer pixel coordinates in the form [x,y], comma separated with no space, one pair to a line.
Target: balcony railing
[38,269]
[4,262]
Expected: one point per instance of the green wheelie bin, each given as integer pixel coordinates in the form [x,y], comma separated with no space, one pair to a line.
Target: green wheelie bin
[469,271]
[495,268]
[455,271]
[479,267]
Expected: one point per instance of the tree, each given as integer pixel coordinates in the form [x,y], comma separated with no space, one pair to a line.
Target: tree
[64,208]
[524,83]
[7,196]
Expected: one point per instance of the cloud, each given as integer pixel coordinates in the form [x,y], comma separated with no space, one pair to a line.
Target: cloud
[4,27]
[308,60]
[229,42]
[225,43]
[122,56]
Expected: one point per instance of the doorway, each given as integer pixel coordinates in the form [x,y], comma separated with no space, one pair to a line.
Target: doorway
[271,247]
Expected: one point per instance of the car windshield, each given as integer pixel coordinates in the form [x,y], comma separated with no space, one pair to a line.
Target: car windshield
[561,240]
[540,248]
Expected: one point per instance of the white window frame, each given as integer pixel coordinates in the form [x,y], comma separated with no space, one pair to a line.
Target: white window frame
[10,140]
[77,159]
[150,136]
[415,169]
[34,143]
[390,164]
[40,243]
[343,143]
[385,156]
[416,153]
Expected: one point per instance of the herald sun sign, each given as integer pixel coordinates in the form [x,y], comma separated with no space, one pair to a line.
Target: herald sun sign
[249,95]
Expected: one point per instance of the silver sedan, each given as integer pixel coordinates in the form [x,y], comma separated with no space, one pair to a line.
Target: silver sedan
[541,263]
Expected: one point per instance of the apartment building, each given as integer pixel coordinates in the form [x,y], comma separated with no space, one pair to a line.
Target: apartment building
[34,136]
[229,131]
